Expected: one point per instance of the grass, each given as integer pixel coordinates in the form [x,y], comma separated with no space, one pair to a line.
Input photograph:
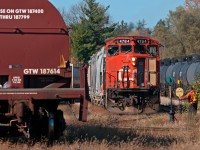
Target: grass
[103,132]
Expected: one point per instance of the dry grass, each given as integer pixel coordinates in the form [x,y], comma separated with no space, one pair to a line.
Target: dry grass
[104,131]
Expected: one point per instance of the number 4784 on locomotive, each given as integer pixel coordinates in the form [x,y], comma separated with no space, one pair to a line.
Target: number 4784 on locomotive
[124,75]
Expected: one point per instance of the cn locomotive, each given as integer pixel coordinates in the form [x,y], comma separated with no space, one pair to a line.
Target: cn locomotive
[124,75]
[35,74]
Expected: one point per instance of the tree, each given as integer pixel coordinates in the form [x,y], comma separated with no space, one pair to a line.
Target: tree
[140,29]
[191,4]
[123,28]
[163,35]
[196,85]
[131,26]
[160,30]
[141,25]
[180,32]
[73,16]
[90,33]
[185,28]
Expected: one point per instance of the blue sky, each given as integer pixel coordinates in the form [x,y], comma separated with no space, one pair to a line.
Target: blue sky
[131,10]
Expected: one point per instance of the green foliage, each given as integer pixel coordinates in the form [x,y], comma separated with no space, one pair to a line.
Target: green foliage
[81,42]
[141,25]
[179,33]
[196,85]
[92,30]
[185,107]
[123,28]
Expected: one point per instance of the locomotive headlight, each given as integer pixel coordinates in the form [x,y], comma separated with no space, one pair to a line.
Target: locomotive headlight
[134,61]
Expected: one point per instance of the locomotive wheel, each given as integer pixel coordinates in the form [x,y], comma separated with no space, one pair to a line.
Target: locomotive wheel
[140,107]
[51,126]
[122,106]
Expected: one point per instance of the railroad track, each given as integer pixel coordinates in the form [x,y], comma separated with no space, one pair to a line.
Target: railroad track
[138,118]
[146,129]
[142,116]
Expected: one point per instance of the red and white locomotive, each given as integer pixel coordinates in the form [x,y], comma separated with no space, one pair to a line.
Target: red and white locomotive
[125,73]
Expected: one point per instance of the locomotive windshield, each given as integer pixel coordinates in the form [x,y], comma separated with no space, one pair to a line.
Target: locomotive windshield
[126,48]
[140,48]
[113,50]
[153,50]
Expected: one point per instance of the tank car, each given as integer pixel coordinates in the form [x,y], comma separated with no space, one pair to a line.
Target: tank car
[35,74]
[183,69]
[124,75]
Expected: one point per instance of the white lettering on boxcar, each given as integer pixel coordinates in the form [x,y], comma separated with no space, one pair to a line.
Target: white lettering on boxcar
[16,80]
[42,71]
[30,71]
[19,14]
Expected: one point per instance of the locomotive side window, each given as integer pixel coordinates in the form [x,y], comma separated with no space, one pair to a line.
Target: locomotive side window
[140,48]
[153,50]
[113,50]
[126,48]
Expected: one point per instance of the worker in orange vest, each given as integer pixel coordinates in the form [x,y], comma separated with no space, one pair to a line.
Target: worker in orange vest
[192,98]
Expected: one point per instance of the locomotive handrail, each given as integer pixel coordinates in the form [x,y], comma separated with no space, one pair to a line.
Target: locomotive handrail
[110,74]
[110,77]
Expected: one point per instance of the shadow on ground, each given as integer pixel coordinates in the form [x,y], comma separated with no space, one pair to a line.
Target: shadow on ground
[114,135]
